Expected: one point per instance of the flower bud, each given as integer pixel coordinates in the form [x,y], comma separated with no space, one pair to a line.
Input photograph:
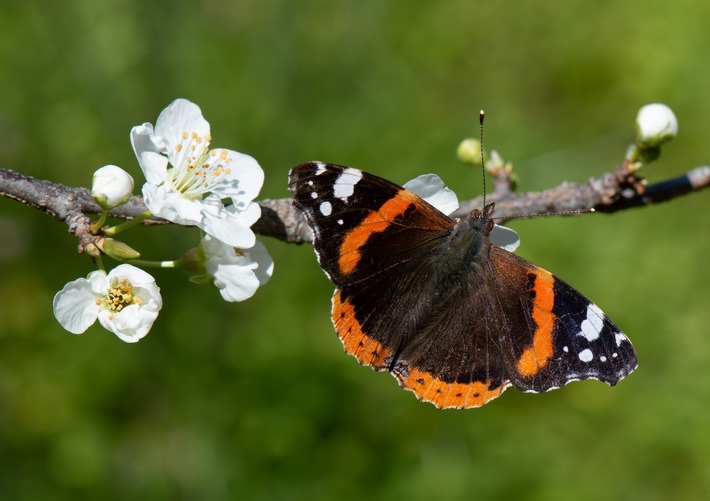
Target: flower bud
[118,250]
[655,124]
[111,187]
[194,260]
[469,151]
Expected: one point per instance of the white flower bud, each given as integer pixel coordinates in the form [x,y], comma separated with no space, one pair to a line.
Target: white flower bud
[655,124]
[111,187]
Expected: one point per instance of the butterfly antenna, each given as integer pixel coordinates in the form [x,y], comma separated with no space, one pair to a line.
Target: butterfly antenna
[481,116]
[561,213]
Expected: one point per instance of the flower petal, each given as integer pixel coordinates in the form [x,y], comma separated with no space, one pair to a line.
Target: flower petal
[75,306]
[225,224]
[234,276]
[180,116]
[261,256]
[136,276]
[431,188]
[164,202]
[99,282]
[249,215]
[244,180]
[131,324]
[237,285]
[504,237]
[236,273]
[149,150]
[134,321]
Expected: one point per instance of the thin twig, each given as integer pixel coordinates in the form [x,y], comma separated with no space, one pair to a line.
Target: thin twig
[612,192]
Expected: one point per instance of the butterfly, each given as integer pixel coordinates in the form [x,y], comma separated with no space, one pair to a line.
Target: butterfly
[428,298]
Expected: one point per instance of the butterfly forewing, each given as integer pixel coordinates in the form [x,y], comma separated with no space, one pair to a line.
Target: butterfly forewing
[354,214]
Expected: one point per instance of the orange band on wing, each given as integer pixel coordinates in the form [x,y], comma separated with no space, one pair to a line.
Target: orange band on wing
[375,222]
[355,341]
[446,395]
[538,355]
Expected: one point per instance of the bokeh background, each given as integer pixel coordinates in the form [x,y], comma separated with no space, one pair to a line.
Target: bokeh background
[257,400]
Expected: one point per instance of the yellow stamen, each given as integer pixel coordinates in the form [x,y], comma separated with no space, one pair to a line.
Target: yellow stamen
[120,296]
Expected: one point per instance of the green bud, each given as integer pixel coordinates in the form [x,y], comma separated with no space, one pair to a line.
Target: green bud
[118,250]
[194,260]
[469,151]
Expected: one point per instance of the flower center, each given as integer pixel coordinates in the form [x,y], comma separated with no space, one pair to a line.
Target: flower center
[119,296]
[197,169]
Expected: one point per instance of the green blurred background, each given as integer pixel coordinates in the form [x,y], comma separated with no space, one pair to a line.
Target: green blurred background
[257,400]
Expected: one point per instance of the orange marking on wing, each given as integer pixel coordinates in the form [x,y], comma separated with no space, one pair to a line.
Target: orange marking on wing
[536,357]
[447,395]
[355,341]
[375,222]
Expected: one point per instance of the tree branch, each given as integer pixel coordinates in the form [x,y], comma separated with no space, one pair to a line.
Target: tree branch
[612,192]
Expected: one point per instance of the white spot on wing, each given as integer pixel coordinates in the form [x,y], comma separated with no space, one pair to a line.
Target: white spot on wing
[565,349]
[620,338]
[344,186]
[314,195]
[586,355]
[321,169]
[340,221]
[326,208]
[602,358]
[594,323]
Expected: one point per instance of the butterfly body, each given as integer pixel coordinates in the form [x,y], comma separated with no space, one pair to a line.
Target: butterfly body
[455,319]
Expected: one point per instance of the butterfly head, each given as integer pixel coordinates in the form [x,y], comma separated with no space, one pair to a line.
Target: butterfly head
[481,220]
[468,240]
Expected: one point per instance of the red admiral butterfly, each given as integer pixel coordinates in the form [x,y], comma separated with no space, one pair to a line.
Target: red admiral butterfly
[455,319]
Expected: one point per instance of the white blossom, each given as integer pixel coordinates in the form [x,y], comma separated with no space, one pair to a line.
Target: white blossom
[126,302]
[237,273]
[187,182]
